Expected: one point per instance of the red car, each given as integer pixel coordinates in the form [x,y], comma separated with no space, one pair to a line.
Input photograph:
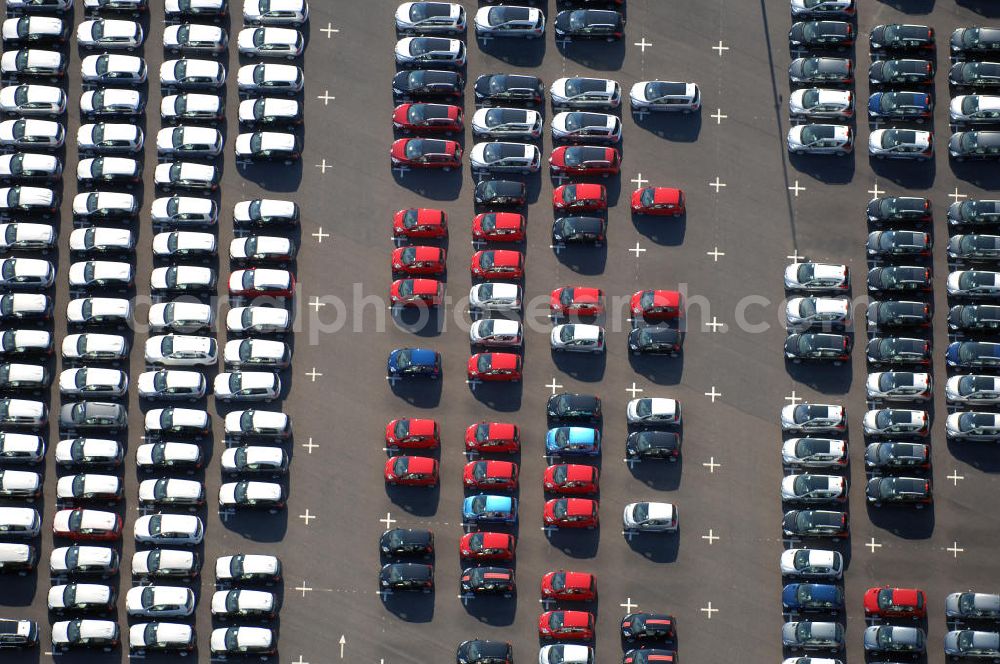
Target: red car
[571,478]
[579,300]
[413,292]
[493,437]
[259,281]
[437,118]
[570,513]
[426,153]
[499,226]
[583,197]
[497,264]
[487,546]
[659,201]
[419,260]
[657,304]
[585,160]
[490,475]
[495,367]
[420,222]
[576,625]
[569,586]
[86,524]
[888,602]
[412,434]
[411,471]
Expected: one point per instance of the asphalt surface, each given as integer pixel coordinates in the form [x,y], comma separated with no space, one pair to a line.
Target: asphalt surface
[725,557]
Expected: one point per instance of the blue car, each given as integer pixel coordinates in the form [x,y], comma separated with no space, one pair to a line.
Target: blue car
[900,106]
[489,509]
[973,355]
[407,362]
[802,597]
[573,441]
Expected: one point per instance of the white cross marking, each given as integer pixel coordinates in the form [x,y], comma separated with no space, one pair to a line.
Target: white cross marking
[329,30]
[873,545]
[473,384]
[715,253]
[643,44]
[793,398]
[718,184]
[388,520]
[393,380]
[634,390]
[637,250]
[556,248]
[402,170]
[713,394]
[954,196]
[719,117]
[628,605]
[794,257]
[629,534]
[316,304]
[307,516]
[310,446]
[313,375]
[641,114]
[875,191]
[720,48]
[711,537]
[955,549]
[560,177]
[319,235]
[955,477]
[639,181]
[548,530]
[553,385]
[323,166]
[709,610]
[715,324]
[325,97]
[711,465]
[796,188]
[300,661]
[303,588]
[564,42]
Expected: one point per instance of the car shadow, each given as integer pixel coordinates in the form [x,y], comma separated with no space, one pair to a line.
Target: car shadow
[659,369]
[496,610]
[597,55]
[421,321]
[676,127]
[924,6]
[910,175]
[824,168]
[274,176]
[415,500]
[589,369]
[575,543]
[658,475]
[974,173]
[977,455]
[411,607]
[582,259]
[418,392]
[665,231]
[504,397]
[257,525]
[827,380]
[984,7]
[656,547]
[904,521]
[436,186]
[517,52]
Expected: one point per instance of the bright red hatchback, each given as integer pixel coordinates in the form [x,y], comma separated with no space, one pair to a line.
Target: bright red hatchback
[497,264]
[414,292]
[575,625]
[495,367]
[579,300]
[569,586]
[571,513]
[419,223]
[483,474]
[493,437]
[419,260]
[412,434]
[571,478]
[411,471]
[487,546]
[499,226]
[427,118]
[581,197]
[657,304]
[888,602]
[659,201]
[585,160]
[426,153]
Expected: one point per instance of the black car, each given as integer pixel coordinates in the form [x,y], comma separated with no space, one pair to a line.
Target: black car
[974,212]
[589,24]
[821,34]
[898,350]
[653,445]
[407,576]
[649,656]
[974,247]
[815,523]
[427,83]
[975,40]
[818,347]
[898,490]
[506,88]
[590,230]
[975,74]
[898,313]
[407,542]
[892,244]
[897,72]
[901,37]
[483,651]
[899,208]
[821,70]
[892,456]
[899,278]
[501,192]
[974,317]
[93,416]
[568,406]
[974,145]
[655,340]
[488,580]
[648,626]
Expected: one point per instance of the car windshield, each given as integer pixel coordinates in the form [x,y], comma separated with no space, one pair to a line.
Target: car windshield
[894,138]
[556,620]
[578,20]
[486,260]
[813,133]
[232,639]
[884,637]
[560,509]
[802,559]
[803,630]
[417,113]
[972,279]
[969,351]
[494,152]
[484,362]
[888,417]
[807,483]
[644,407]
[73,631]
[157,454]
[566,334]
[75,519]
[640,512]
[807,307]
[240,493]
[479,504]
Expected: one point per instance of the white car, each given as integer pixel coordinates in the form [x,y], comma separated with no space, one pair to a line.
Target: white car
[182,278]
[247,386]
[496,296]
[821,103]
[32,62]
[973,425]
[14,306]
[104,204]
[23,377]
[243,603]
[20,235]
[208,8]
[509,21]
[30,166]
[88,560]
[192,106]
[580,92]
[189,141]
[180,316]
[978,109]
[22,413]
[89,486]
[812,564]
[501,122]
[421,17]
[252,423]
[106,33]
[566,653]
[973,389]
[186,175]
[257,459]
[809,488]
[269,111]
[286,79]
[33,28]
[261,248]
[899,386]
[94,347]
[586,126]
[16,342]
[98,239]
[665,96]
[183,243]
[28,133]
[822,8]
[258,320]
[271,42]
[160,601]
[901,144]
[275,12]
[254,282]
[247,567]
[171,491]
[21,448]
[824,312]
[243,640]
[973,283]
[168,456]
[653,411]
[164,563]
[184,211]
[88,452]
[81,597]
[257,353]
[895,422]
[495,332]
[265,212]
[247,493]
[33,100]
[177,421]
[191,73]
[22,484]
[93,381]
[817,277]
[134,6]
[26,273]
[267,145]
[85,632]
[161,636]
[20,198]
[113,68]
[415,52]
[195,37]
[86,274]
[182,529]
[650,517]
[40,5]
[501,157]
[109,170]
[109,137]
[98,310]
[837,140]
[181,350]
[813,417]
[577,337]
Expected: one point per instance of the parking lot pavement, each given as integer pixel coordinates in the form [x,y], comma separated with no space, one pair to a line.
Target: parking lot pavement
[750,207]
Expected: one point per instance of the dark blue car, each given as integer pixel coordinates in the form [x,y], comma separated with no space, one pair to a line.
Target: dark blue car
[973,354]
[901,105]
[802,597]
[407,362]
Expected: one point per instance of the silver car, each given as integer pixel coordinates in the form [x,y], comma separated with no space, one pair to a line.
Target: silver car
[111,101]
[271,42]
[263,78]
[30,133]
[973,389]
[509,21]
[580,92]
[809,488]
[812,417]
[501,157]
[973,644]
[495,296]
[414,18]
[181,529]
[276,12]
[824,312]
[192,106]
[579,126]
[665,96]
[899,386]
[896,422]
[972,605]
[577,337]
[105,33]
[113,68]
[160,601]
[503,123]
[184,211]
[27,100]
[650,517]
[975,109]
[973,425]
[821,103]
[901,144]
[832,139]
[195,37]
[495,332]
[430,52]
[92,381]
[812,564]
